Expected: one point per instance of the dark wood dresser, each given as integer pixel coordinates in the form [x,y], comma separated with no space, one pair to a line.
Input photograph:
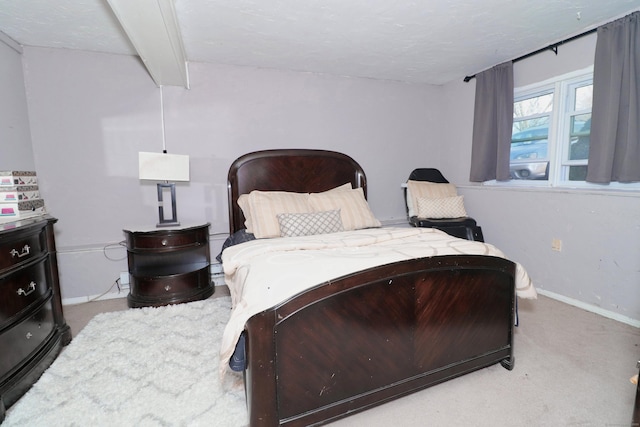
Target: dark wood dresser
[32,326]
[168,266]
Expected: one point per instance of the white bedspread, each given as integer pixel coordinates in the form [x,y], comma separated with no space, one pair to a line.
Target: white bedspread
[265,272]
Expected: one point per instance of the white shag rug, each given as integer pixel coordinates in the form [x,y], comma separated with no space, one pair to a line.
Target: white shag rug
[140,367]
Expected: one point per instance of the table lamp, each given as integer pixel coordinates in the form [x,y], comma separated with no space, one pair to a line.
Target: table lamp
[164,167]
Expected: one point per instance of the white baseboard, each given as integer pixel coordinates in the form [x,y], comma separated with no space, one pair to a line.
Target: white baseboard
[217,279]
[592,308]
[81,300]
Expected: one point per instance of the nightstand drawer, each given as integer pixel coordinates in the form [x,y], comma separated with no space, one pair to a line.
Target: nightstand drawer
[21,250]
[167,240]
[21,289]
[22,340]
[190,279]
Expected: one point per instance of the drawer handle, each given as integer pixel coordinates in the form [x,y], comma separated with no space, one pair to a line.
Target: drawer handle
[25,251]
[29,335]
[30,289]
[164,242]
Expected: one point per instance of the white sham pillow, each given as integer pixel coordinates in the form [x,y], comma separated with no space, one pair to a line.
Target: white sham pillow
[342,187]
[354,209]
[243,202]
[266,205]
[245,206]
[445,207]
[432,190]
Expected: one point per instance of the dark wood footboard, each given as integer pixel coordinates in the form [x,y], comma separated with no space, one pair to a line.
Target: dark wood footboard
[370,337]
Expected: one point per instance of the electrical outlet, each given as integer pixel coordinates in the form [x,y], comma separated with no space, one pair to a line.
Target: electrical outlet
[556,245]
[124,279]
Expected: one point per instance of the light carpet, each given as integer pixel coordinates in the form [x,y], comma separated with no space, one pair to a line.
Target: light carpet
[142,367]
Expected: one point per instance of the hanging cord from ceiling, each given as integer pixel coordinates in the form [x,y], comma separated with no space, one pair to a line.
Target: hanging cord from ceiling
[552,47]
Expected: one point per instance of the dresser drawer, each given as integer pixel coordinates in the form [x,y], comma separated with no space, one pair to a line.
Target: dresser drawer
[167,240]
[22,288]
[21,249]
[25,338]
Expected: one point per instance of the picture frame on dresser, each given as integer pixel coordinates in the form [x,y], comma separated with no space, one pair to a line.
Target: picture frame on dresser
[33,329]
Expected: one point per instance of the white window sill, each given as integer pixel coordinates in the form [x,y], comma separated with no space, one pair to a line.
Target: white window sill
[545,188]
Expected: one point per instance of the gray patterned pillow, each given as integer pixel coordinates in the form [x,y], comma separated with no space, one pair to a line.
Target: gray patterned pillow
[307,224]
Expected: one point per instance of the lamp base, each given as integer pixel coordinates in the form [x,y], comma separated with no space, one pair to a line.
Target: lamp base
[168,224]
[173,220]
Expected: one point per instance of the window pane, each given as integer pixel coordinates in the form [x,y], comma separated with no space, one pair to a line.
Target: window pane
[580,138]
[530,130]
[584,97]
[551,130]
[529,149]
[529,170]
[577,173]
[580,124]
[535,105]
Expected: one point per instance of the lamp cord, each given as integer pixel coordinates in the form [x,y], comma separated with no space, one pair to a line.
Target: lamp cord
[164,141]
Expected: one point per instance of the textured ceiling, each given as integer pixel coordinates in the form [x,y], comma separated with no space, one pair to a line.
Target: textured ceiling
[429,41]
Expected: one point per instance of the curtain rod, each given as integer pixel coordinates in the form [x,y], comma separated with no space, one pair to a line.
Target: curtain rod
[553,47]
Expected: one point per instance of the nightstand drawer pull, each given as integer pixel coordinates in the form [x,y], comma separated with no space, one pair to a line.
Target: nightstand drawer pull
[30,289]
[25,251]
[164,242]
[29,335]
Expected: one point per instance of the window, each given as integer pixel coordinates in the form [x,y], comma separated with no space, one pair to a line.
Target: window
[576,153]
[551,130]
[551,135]
[529,157]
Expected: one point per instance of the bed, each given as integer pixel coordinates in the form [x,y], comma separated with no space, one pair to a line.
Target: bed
[346,343]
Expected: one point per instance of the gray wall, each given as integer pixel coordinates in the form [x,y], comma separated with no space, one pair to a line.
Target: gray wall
[599,265]
[15,138]
[92,113]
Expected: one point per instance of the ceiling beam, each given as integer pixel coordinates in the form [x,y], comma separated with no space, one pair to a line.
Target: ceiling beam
[152,28]
[10,42]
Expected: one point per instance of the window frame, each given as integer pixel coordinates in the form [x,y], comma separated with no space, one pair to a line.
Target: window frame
[568,88]
[559,124]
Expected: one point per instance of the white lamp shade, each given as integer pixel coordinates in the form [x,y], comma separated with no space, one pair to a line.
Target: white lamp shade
[163,167]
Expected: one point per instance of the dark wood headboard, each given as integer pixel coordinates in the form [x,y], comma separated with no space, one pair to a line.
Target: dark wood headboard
[294,170]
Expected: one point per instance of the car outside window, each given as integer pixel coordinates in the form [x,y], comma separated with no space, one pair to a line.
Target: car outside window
[551,131]
[529,157]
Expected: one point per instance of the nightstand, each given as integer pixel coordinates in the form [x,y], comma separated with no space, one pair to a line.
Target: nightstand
[168,265]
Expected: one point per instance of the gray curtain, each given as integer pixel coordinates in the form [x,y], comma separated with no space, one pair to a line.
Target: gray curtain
[614,152]
[492,124]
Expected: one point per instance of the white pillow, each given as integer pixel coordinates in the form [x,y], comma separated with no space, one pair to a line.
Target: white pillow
[308,224]
[245,206]
[417,189]
[264,207]
[354,209]
[342,187]
[446,207]
[243,202]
